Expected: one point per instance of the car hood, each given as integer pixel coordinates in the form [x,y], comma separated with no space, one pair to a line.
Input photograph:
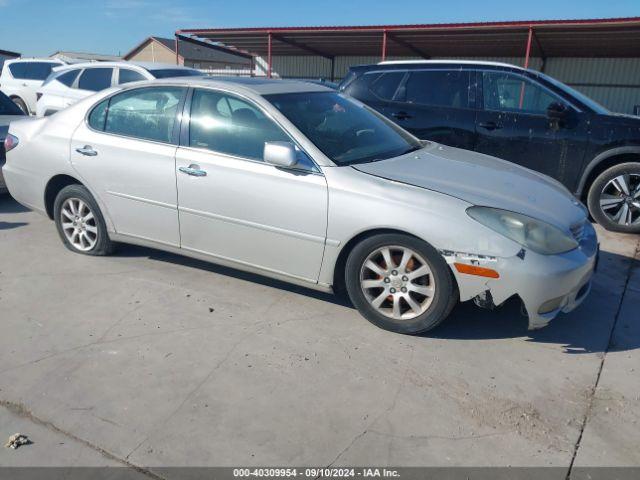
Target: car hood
[482,180]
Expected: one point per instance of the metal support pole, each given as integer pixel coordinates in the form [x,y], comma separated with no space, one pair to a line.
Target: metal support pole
[384,45]
[333,69]
[528,53]
[269,55]
[177,54]
[526,63]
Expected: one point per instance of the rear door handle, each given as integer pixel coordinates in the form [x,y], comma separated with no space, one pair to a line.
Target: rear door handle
[193,170]
[87,150]
[490,126]
[401,115]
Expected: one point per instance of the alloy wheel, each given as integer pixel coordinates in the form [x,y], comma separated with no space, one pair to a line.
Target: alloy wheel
[620,199]
[397,282]
[79,224]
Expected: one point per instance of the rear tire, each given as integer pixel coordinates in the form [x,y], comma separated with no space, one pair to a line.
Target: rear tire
[400,283]
[614,198]
[80,223]
[21,105]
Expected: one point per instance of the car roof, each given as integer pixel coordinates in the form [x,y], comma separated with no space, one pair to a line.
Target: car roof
[256,85]
[146,65]
[418,63]
[34,59]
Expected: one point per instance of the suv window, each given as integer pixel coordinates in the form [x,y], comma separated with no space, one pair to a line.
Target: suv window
[442,88]
[145,113]
[95,79]
[386,85]
[127,76]
[67,78]
[31,70]
[505,92]
[227,124]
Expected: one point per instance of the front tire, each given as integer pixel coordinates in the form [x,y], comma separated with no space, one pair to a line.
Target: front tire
[614,198]
[400,283]
[80,223]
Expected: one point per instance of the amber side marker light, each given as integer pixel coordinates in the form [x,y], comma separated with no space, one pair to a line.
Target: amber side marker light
[479,271]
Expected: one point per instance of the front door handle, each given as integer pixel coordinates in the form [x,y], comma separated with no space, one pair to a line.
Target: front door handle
[87,150]
[193,170]
[401,115]
[490,126]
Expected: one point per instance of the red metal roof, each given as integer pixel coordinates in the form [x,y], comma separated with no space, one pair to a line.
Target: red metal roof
[603,37]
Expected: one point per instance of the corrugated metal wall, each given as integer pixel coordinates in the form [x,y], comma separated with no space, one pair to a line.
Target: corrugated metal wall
[613,82]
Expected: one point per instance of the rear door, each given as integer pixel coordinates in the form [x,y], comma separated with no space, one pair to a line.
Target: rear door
[436,104]
[125,153]
[513,124]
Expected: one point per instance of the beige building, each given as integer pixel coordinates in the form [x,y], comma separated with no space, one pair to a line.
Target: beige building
[191,53]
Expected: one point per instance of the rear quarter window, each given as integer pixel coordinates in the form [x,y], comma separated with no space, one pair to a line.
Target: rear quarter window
[31,70]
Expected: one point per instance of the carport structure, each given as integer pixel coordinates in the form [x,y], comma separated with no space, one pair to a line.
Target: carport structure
[587,38]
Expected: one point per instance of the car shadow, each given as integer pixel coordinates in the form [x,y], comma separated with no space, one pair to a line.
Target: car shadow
[10,225]
[581,331]
[9,205]
[159,255]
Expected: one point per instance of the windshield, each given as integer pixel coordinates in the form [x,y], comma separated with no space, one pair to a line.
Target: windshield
[7,107]
[175,72]
[344,130]
[581,97]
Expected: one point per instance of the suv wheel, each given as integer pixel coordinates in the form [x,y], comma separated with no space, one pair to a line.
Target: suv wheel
[614,198]
[21,105]
[80,223]
[400,283]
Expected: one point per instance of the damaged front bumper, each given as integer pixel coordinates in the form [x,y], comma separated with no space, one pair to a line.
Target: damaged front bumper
[546,284]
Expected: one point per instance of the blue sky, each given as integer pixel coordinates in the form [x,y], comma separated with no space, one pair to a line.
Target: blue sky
[40,27]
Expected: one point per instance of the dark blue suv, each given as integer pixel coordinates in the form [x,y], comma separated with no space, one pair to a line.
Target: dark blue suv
[519,115]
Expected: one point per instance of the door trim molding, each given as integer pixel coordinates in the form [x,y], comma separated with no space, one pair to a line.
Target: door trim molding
[260,226]
[143,200]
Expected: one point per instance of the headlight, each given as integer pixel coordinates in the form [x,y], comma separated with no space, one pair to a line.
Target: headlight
[528,232]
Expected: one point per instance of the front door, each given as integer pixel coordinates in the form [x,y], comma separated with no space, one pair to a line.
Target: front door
[235,207]
[512,124]
[126,155]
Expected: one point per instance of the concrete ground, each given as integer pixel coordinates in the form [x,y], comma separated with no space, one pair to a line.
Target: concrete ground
[148,359]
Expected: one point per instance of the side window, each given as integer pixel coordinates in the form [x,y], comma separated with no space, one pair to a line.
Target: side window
[128,76]
[95,79]
[68,78]
[386,85]
[441,88]
[145,113]
[31,70]
[98,116]
[505,92]
[227,124]
[18,70]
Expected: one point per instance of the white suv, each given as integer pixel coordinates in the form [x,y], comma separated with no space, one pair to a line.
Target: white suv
[69,84]
[21,78]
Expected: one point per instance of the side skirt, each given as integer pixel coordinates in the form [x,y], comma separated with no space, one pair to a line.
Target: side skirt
[143,242]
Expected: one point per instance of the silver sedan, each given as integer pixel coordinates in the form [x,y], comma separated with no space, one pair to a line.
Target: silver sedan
[295,181]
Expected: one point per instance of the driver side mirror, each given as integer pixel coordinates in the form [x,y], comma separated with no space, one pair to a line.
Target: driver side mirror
[557,111]
[280,154]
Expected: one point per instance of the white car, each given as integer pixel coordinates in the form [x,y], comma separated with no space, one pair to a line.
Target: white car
[21,78]
[68,84]
[297,182]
